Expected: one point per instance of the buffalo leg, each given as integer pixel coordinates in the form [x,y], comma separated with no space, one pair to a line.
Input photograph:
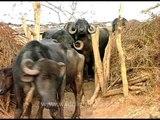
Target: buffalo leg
[86,76]
[58,112]
[78,92]
[61,97]
[55,112]
[28,102]
[27,112]
[77,88]
[40,111]
[19,101]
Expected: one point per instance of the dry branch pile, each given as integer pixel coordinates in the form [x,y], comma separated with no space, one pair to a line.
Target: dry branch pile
[10,44]
[141,48]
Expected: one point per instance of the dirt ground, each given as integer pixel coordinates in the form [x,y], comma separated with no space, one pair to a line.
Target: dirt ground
[134,106]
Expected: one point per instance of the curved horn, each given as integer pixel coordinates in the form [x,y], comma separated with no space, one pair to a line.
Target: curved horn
[78,45]
[92,29]
[71,29]
[41,59]
[26,69]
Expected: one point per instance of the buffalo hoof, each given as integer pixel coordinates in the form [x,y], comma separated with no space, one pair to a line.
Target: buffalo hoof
[18,114]
[38,117]
[75,117]
[25,117]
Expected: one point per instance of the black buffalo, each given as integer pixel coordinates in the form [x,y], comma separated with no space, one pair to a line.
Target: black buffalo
[74,76]
[115,23]
[6,80]
[59,35]
[44,65]
[81,32]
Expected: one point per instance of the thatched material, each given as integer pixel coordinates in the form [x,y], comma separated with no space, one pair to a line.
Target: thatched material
[10,44]
[141,48]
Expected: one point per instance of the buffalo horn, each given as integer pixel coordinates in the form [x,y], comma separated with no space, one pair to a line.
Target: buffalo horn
[78,45]
[92,29]
[28,70]
[70,30]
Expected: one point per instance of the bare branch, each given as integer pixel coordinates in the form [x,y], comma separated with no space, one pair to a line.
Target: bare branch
[147,10]
[83,13]
[71,15]
[73,7]
[59,17]
[58,8]
[49,7]
[53,10]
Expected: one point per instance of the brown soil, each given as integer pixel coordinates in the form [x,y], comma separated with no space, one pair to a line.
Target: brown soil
[134,106]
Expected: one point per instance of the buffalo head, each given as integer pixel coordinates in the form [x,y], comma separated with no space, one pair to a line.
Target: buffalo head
[6,80]
[81,31]
[80,27]
[48,77]
[115,23]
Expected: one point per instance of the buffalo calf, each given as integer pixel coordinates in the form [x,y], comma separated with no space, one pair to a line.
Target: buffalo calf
[6,80]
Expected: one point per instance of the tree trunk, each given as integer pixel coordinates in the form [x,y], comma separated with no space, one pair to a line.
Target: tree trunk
[99,76]
[106,60]
[98,62]
[37,13]
[121,54]
[26,29]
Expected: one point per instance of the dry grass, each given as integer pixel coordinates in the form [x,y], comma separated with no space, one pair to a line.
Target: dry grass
[10,44]
[141,49]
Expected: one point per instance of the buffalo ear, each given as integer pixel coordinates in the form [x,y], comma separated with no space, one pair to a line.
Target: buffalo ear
[62,68]
[27,78]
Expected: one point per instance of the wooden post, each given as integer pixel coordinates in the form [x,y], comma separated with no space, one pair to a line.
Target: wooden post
[98,62]
[121,54]
[99,76]
[26,29]
[24,25]
[30,33]
[101,71]
[37,13]
[106,60]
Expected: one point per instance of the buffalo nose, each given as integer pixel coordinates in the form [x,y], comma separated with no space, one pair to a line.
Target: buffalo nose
[81,30]
[2,91]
